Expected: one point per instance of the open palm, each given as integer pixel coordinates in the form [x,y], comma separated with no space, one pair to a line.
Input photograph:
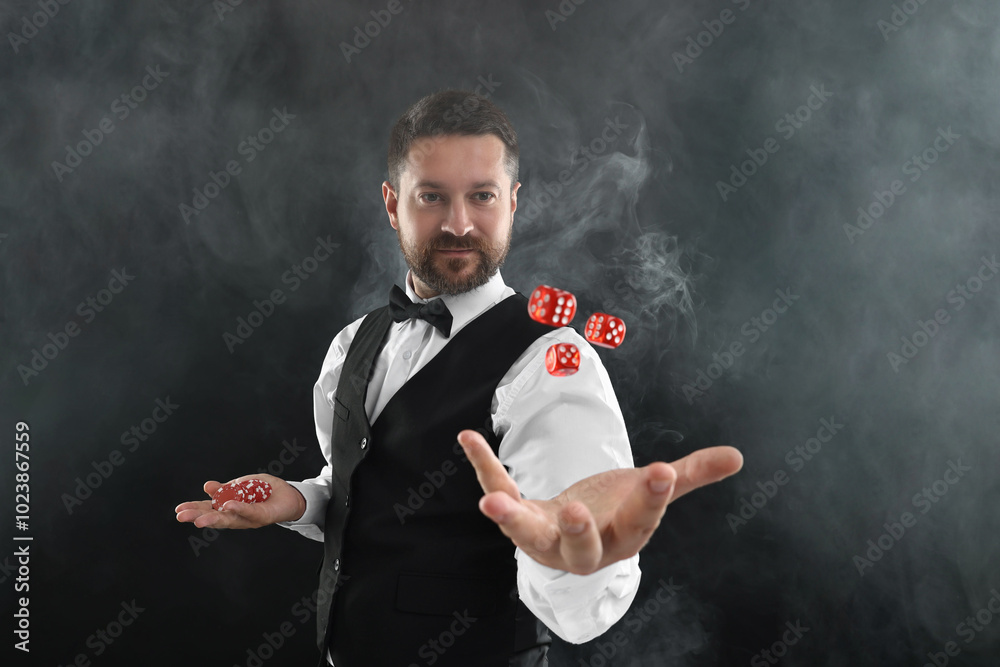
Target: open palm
[601,519]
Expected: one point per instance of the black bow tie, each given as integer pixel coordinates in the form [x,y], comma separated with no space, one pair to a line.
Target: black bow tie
[434,312]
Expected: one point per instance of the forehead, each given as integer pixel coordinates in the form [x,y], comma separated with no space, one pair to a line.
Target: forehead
[454,159]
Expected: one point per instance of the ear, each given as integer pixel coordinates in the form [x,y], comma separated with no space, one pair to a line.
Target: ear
[391,202]
[513,198]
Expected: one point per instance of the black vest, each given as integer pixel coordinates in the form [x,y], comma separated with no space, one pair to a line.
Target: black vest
[413,573]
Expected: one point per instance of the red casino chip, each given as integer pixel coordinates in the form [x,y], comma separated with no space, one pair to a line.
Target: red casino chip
[227,492]
[255,490]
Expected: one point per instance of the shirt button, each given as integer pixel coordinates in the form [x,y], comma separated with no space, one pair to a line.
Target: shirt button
[364,442]
[336,564]
[407,354]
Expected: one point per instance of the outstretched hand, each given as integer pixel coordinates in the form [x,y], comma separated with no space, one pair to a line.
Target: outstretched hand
[284,504]
[599,520]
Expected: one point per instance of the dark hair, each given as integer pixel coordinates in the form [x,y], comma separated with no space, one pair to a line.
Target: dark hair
[450,112]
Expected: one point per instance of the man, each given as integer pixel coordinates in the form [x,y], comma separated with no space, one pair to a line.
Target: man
[420,567]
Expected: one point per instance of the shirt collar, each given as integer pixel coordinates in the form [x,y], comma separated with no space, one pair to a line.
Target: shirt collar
[466,306]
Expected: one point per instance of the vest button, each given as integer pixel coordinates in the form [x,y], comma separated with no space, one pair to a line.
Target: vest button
[336,564]
[364,442]
[347,501]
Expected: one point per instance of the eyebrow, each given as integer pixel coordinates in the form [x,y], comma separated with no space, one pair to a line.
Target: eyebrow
[440,186]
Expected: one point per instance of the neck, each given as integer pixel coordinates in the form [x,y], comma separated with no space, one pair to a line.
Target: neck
[422,290]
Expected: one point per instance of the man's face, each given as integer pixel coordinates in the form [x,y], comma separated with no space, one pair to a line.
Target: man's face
[453,212]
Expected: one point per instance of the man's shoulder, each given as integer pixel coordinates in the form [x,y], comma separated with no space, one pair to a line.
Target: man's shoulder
[565,335]
[517,310]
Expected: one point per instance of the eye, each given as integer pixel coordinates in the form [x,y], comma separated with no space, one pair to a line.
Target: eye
[484,196]
[436,197]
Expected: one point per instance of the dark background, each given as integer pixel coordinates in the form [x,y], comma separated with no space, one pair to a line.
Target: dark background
[640,230]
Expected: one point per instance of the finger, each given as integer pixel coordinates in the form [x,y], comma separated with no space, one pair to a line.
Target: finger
[532,531]
[210,487]
[490,472]
[579,540]
[642,510]
[201,505]
[202,515]
[705,466]
[189,515]
[221,519]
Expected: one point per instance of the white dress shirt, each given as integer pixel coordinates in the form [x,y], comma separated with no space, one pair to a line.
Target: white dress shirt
[555,431]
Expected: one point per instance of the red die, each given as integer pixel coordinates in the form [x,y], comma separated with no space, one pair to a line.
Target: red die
[552,306]
[605,330]
[562,359]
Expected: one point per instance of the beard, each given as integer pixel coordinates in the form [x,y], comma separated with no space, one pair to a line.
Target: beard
[453,275]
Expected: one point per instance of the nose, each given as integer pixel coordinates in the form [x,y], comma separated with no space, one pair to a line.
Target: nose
[457,221]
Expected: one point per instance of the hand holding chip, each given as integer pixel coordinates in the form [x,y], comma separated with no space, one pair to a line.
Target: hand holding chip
[282,503]
[600,520]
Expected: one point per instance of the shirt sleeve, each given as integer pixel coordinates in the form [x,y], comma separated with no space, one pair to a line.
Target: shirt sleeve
[576,607]
[554,432]
[316,490]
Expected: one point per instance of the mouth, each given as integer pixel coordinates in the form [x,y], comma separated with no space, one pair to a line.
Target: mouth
[460,252]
